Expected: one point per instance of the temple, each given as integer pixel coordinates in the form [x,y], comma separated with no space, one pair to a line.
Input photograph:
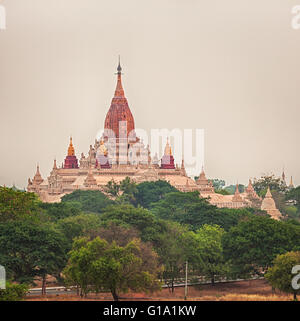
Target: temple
[118,154]
[268,205]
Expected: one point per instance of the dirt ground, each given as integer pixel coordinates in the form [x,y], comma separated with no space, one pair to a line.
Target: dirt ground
[254,290]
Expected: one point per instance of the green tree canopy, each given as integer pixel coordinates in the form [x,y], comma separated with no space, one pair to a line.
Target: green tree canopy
[275,183]
[90,201]
[112,188]
[17,205]
[57,211]
[101,265]
[217,183]
[294,196]
[141,219]
[151,192]
[280,274]
[172,253]
[254,243]
[231,188]
[78,226]
[191,210]
[28,250]
[209,251]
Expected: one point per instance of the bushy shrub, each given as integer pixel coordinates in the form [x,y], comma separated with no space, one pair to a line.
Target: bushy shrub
[13,292]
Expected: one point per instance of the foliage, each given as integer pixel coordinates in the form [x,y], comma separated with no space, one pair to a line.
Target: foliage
[28,250]
[292,212]
[222,191]
[218,184]
[90,201]
[255,242]
[191,210]
[17,205]
[57,211]
[77,226]
[151,192]
[280,276]
[261,184]
[294,195]
[129,189]
[124,193]
[171,253]
[140,219]
[231,188]
[13,292]
[102,265]
[210,251]
[112,188]
[114,232]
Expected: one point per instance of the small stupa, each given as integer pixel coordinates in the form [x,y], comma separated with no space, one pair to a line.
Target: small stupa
[268,205]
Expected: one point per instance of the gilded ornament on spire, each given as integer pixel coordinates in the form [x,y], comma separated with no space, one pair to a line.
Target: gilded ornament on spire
[71,150]
[168,150]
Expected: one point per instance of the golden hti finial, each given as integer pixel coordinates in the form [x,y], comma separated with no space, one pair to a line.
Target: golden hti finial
[168,149]
[71,150]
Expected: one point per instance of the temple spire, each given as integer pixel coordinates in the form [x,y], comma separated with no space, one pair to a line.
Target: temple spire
[71,150]
[119,115]
[268,194]
[37,180]
[54,164]
[168,150]
[71,160]
[119,92]
[237,198]
[167,161]
[291,183]
[119,69]
[283,176]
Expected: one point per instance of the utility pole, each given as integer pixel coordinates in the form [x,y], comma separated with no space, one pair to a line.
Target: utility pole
[186,274]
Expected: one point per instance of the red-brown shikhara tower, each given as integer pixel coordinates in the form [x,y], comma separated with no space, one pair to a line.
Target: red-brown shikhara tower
[119,111]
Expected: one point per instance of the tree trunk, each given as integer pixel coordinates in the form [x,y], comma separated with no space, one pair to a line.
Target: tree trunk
[44,285]
[115,295]
[213,280]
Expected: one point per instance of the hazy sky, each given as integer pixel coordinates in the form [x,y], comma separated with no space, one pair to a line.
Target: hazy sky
[230,67]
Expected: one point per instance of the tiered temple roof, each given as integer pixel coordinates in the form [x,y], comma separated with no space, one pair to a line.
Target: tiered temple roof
[204,184]
[90,180]
[37,180]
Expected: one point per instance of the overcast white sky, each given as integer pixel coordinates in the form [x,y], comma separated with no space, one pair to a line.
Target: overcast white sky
[230,67]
